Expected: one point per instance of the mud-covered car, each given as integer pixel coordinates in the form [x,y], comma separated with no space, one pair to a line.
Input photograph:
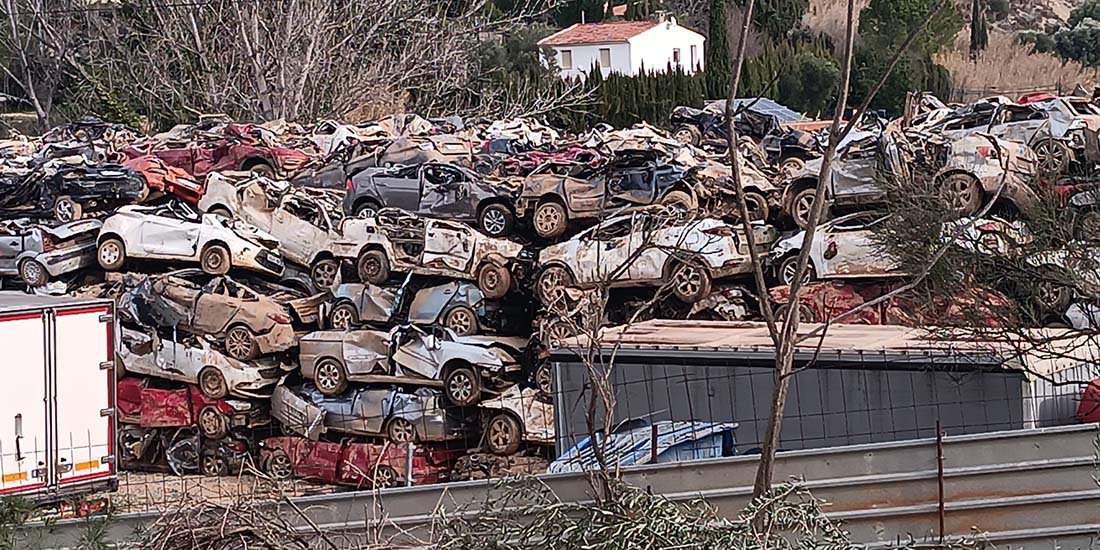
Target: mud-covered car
[402,242]
[359,465]
[842,248]
[36,253]
[301,220]
[152,404]
[353,304]
[466,367]
[650,248]
[175,232]
[439,190]
[194,361]
[162,178]
[243,147]
[249,324]
[516,416]
[463,308]
[67,191]
[442,148]
[400,415]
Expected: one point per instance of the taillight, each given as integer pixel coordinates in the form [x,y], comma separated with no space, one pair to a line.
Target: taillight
[48,244]
[989,152]
[721,231]
[278,318]
[987,227]
[349,185]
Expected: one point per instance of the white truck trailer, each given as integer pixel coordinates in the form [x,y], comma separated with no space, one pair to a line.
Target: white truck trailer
[57,398]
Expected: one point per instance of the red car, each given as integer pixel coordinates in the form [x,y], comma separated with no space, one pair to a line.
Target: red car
[185,406]
[1088,410]
[170,180]
[242,148]
[821,302]
[361,465]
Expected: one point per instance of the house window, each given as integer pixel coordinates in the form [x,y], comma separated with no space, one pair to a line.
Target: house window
[605,58]
[693,57]
[567,59]
[675,56]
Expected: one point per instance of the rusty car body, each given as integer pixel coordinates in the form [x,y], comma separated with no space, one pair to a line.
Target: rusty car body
[161,178]
[825,302]
[466,367]
[143,403]
[650,248]
[518,415]
[359,465]
[201,150]
[37,252]
[353,304]
[400,415]
[403,242]
[175,232]
[439,190]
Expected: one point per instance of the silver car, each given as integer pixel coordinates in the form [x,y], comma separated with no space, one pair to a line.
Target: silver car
[36,253]
[382,411]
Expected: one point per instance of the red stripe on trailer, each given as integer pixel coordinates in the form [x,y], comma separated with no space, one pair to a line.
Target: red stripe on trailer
[79,311]
[20,317]
[10,490]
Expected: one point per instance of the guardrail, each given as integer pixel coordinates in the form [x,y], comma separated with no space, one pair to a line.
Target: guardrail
[1027,488]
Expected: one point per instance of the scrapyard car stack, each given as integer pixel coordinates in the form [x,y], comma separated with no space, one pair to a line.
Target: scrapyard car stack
[319,302]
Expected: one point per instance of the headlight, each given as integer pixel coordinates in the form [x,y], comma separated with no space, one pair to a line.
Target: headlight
[1077,138]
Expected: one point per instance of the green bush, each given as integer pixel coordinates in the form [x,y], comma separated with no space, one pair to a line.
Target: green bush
[999,8]
[809,85]
[1089,10]
[1040,42]
[1080,43]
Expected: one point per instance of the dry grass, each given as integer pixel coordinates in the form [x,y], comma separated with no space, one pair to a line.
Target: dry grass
[1008,68]
[830,17]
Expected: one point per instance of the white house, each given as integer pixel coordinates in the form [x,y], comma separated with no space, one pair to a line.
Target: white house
[625,47]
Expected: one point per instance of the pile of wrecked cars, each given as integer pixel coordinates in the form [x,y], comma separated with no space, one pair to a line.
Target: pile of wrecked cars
[319,302]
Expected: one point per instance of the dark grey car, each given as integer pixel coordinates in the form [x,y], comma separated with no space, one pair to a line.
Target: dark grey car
[439,190]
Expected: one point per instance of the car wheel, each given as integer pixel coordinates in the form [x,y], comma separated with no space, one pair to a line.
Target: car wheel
[961,193]
[401,431]
[373,267]
[1088,227]
[544,379]
[462,320]
[385,476]
[496,220]
[690,283]
[1052,295]
[263,169]
[791,166]
[215,260]
[462,387]
[687,135]
[33,273]
[240,344]
[494,281]
[788,269]
[552,283]
[558,332]
[805,314]
[503,435]
[366,210]
[212,383]
[343,317]
[213,465]
[330,377]
[278,465]
[802,207]
[65,209]
[679,199]
[550,220]
[219,211]
[324,273]
[111,254]
[212,423]
[1053,155]
[758,206]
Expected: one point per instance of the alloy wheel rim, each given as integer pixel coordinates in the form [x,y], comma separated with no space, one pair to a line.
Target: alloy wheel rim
[31,272]
[461,387]
[210,422]
[459,321]
[690,281]
[238,343]
[210,465]
[547,219]
[109,253]
[401,431]
[341,319]
[805,205]
[280,466]
[326,274]
[494,222]
[64,211]
[499,434]
[326,376]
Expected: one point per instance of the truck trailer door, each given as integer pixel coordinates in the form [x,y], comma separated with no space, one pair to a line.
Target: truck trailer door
[23,438]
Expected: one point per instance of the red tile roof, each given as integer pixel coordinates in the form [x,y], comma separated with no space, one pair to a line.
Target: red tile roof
[598,33]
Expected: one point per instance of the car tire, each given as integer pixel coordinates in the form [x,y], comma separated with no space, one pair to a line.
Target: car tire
[212,423]
[213,465]
[462,320]
[680,199]
[802,207]
[690,282]
[400,431]
[330,377]
[278,465]
[1054,156]
[111,254]
[544,379]
[215,260]
[373,267]
[324,272]
[240,344]
[550,220]
[366,210]
[65,209]
[687,135]
[33,273]
[785,273]
[557,332]
[552,282]
[212,384]
[384,476]
[961,194]
[220,211]
[805,314]
[494,281]
[791,166]
[343,317]
[1050,295]
[462,387]
[496,220]
[758,206]
[263,169]
[503,435]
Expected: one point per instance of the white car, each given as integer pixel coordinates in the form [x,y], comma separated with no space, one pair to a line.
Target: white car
[842,249]
[650,248]
[175,232]
[215,374]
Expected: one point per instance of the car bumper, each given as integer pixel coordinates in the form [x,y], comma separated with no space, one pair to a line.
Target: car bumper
[279,338]
[261,260]
[67,260]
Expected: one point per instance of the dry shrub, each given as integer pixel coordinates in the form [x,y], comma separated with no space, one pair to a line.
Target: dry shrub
[1006,67]
[830,17]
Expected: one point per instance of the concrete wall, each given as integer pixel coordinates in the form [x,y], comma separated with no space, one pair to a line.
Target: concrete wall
[587,56]
[653,49]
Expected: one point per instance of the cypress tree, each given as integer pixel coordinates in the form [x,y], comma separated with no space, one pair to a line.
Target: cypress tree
[717,51]
[979,33]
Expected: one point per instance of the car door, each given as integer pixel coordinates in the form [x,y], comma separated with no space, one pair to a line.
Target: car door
[446,193]
[650,245]
[399,187]
[319,460]
[604,255]
[215,307]
[11,245]
[448,246]
[418,353]
[847,250]
[852,178]
[165,237]
[358,412]
[629,186]
[178,155]
[1019,123]
[301,228]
